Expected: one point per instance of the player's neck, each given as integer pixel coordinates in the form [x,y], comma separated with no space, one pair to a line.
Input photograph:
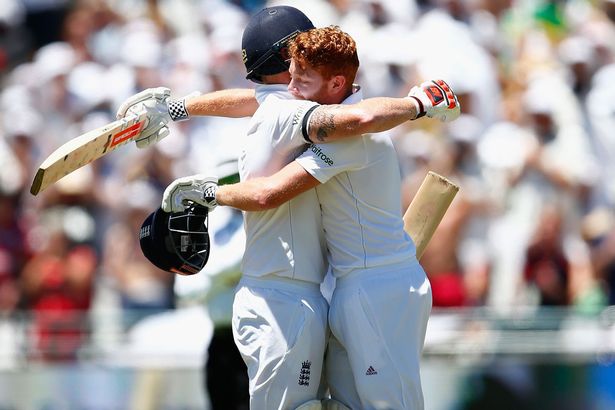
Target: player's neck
[280,78]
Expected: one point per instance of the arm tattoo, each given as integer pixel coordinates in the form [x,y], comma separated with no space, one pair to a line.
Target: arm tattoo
[323,121]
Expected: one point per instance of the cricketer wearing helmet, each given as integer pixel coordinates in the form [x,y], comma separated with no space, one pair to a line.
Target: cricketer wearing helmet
[279,315]
[382,299]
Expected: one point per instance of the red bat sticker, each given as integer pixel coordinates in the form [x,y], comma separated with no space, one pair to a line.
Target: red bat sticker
[126,134]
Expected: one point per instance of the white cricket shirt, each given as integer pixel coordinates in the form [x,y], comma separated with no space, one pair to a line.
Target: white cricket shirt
[360,197]
[287,241]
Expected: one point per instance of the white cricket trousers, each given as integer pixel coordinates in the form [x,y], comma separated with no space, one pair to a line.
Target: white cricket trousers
[378,321]
[280,328]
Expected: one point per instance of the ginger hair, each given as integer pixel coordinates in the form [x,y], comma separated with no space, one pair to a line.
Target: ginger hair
[328,50]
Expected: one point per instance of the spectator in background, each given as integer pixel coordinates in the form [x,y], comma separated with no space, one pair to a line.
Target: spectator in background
[44,20]
[600,109]
[15,40]
[578,56]
[440,256]
[14,252]
[477,207]
[22,126]
[598,231]
[547,270]
[78,25]
[57,285]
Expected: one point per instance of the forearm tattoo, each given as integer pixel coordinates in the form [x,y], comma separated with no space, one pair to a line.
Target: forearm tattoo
[322,122]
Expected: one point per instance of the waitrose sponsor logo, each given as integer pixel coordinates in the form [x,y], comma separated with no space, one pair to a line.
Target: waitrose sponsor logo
[298,115]
[318,152]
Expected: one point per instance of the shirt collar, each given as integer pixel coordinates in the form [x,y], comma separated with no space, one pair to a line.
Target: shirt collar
[263,91]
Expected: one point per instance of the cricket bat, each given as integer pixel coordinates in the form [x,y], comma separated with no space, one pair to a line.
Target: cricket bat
[86,148]
[428,208]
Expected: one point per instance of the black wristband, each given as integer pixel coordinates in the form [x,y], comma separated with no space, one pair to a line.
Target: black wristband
[209,195]
[422,111]
[177,110]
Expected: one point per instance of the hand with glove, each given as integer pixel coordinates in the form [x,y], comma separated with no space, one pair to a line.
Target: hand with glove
[436,100]
[198,188]
[160,110]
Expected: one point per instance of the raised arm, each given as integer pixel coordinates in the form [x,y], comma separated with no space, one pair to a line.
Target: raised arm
[434,99]
[233,103]
[329,123]
[161,109]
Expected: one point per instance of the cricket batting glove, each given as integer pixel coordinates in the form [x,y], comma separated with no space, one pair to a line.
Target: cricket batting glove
[436,100]
[160,110]
[198,188]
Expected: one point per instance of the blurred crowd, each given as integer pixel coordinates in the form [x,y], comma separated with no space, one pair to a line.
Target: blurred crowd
[533,152]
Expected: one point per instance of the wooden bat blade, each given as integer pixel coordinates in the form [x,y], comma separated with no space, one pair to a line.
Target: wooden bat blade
[85,149]
[428,208]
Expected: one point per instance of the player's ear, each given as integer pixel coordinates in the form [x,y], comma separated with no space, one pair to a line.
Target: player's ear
[337,84]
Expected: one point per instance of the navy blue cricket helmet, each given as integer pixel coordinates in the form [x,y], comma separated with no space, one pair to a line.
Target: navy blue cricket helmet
[265,39]
[176,242]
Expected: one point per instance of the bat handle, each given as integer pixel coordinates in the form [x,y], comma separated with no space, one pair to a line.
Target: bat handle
[427,209]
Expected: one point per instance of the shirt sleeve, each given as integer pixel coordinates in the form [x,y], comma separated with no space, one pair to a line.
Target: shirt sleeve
[324,161]
[288,120]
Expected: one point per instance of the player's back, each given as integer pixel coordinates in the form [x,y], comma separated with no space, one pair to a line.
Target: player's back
[287,241]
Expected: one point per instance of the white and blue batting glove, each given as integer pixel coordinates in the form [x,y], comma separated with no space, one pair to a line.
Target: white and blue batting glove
[160,110]
[436,99]
[199,189]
